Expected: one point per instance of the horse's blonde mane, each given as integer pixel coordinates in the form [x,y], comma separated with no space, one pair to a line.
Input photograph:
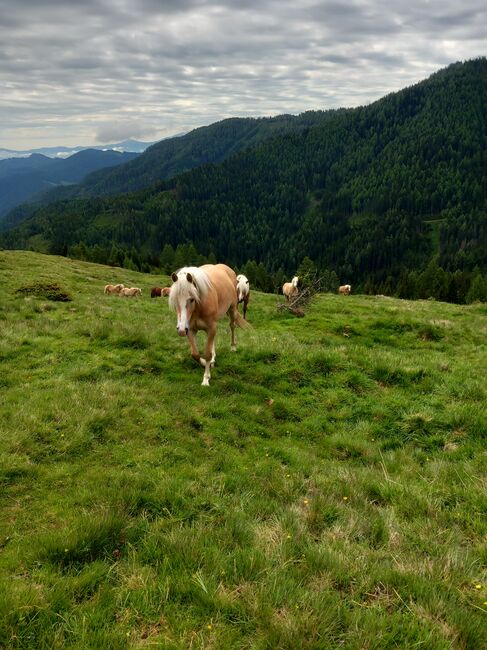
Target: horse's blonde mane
[198,289]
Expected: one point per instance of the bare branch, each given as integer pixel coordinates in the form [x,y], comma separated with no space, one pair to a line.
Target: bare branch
[303,299]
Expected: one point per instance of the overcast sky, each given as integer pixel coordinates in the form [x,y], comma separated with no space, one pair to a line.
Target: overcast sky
[81,72]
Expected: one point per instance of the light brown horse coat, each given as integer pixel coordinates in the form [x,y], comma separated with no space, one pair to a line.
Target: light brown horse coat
[345,289]
[130,292]
[243,292]
[290,289]
[201,296]
[113,288]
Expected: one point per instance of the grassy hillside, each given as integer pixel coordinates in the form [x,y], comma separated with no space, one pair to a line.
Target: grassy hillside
[326,490]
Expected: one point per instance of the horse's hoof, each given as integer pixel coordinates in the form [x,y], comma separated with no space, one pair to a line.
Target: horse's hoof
[233,348]
[205,382]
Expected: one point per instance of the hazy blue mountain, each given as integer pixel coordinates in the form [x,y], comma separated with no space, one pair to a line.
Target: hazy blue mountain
[23,179]
[135,146]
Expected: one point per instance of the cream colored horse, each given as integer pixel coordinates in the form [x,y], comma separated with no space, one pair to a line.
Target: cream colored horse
[345,289]
[243,292]
[201,296]
[290,289]
[130,292]
[113,288]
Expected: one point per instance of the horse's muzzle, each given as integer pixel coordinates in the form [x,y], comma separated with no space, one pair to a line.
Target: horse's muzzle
[182,332]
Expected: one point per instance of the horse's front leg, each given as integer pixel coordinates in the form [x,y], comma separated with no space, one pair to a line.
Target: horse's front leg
[209,356]
[213,354]
[195,353]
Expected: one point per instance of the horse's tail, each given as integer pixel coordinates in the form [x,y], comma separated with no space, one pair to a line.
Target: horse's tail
[240,321]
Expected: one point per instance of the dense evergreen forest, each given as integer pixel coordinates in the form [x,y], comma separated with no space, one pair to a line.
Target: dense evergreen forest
[165,159]
[390,197]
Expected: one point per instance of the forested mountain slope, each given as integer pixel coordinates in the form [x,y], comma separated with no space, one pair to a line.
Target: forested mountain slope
[176,155]
[370,192]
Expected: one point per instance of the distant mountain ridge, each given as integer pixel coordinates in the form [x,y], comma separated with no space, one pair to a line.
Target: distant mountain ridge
[130,145]
[23,179]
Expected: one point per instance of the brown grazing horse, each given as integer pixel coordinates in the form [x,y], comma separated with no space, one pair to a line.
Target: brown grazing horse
[160,291]
[243,292]
[345,289]
[201,296]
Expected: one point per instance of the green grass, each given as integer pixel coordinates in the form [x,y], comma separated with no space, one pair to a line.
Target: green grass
[327,490]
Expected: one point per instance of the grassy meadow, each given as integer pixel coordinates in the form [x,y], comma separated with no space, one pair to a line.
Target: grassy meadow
[326,491]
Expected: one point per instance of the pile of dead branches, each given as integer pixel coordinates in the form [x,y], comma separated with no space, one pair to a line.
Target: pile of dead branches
[301,301]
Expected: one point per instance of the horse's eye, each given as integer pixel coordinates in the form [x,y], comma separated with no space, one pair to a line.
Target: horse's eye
[191,300]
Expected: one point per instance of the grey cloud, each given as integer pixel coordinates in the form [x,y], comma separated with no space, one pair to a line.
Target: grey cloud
[119,131]
[148,68]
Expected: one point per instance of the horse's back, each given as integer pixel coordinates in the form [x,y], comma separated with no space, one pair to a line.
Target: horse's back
[218,269]
[224,283]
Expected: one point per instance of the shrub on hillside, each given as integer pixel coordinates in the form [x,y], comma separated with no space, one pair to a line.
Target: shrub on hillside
[49,291]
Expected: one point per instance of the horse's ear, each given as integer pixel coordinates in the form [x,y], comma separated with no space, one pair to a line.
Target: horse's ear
[189,278]
[174,277]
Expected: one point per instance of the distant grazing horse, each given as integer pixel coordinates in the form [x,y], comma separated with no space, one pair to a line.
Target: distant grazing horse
[290,289]
[130,293]
[345,289]
[201,296]
[113,288]
[159,291]
[243,292]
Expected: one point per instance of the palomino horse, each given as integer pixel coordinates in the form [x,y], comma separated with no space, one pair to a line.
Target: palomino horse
[201,296]
[243,292]
[290,289]
[113,288]
[345,289]
[130,292]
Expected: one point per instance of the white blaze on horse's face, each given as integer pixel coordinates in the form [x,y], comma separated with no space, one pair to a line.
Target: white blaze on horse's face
[184,307]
